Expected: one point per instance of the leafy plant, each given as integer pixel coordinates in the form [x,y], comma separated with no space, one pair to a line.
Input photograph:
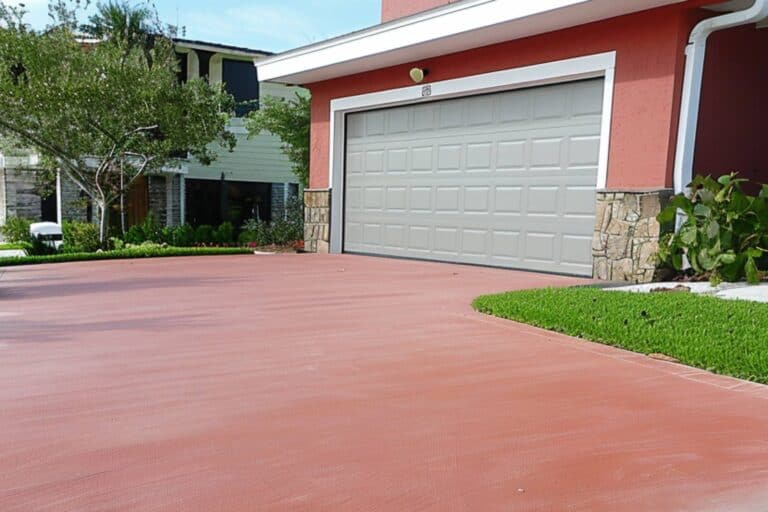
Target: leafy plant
[16,230]
[204,234]
[285,231]
[254,232]
[135,235]
[80,237]
[151,229]
[180,236]
[724,235]
[225,234]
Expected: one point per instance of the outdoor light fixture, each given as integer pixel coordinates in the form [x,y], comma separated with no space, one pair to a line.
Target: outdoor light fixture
[418,74]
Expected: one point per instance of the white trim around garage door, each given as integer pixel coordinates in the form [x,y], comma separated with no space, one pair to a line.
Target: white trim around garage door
[579,68]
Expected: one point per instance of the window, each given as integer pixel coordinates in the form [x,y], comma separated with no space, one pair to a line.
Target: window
[241,81]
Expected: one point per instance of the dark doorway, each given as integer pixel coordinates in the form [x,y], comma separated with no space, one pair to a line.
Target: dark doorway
[137,202]
[49,208]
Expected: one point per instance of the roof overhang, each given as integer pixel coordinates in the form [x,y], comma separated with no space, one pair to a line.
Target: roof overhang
[219,48]
[452,28]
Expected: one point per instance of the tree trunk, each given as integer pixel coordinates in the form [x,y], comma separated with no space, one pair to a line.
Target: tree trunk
[103,222]
[122,201]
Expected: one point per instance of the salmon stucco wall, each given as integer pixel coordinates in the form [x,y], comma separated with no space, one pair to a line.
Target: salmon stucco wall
[393,9]
[734,105]
[649,70]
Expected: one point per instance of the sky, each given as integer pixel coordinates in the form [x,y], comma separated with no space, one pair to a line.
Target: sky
[272,25]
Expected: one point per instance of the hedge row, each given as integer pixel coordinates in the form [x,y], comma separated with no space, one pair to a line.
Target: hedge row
[133,252]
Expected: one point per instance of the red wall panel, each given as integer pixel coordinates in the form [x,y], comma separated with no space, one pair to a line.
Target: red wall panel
[734,105]
[650,59]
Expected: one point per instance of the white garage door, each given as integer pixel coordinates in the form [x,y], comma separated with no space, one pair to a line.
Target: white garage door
[505,179]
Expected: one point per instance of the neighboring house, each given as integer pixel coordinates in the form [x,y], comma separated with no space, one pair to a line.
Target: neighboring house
[19,196]
[545,135]
[255,180]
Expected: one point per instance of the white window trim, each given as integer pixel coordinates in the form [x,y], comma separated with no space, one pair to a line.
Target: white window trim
[579,68]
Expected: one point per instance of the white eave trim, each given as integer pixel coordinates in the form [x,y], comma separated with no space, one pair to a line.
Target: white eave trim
[455,27]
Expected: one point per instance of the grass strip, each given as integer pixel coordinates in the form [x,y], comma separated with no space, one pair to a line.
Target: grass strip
[726,337]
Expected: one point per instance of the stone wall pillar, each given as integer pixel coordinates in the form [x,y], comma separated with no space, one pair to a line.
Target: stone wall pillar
[21,197]
[317,220]
[627,234]
[74,202]
[165,198]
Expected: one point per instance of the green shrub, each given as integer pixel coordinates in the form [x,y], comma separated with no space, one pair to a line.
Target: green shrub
[40,248]
[145,251]
[725,232]
[134,235]
[178,236]
[279,232]
[204,234]
[255,232]
[225,234]
[116,244]
[16,230]
[152,230]
[80,237]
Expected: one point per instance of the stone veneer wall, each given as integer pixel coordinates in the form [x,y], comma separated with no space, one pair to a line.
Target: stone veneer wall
[317,220]
[158,199]
[21,199]
[626,238]
[74,203]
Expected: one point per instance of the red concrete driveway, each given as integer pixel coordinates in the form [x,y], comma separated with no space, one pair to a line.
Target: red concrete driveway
[341,383]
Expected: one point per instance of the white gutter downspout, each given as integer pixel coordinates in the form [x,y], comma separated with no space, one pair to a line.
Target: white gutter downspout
[694,70]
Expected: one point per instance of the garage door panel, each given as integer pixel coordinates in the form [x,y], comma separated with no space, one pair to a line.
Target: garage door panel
[449,158]
[506,179]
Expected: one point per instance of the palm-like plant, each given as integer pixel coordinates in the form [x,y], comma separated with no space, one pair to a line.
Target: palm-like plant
[122,22]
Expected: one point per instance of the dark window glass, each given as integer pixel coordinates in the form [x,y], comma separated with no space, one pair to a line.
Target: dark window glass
[215,201]
[48,208]
[241,81]
[183,66]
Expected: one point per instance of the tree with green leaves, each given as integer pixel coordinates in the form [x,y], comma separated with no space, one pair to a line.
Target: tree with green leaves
[289,120]
[103,114]
[122,21]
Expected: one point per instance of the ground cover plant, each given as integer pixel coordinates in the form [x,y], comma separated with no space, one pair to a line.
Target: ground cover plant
[727,337]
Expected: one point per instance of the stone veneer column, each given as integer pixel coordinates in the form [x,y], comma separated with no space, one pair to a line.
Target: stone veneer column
[317,220]
[158,197]
[627,234]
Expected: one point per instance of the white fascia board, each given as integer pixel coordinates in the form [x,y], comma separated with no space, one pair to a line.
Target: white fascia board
[433,25]
[457,27]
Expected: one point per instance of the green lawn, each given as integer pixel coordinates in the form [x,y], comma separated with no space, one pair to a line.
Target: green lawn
[727,337]
[14,247]
[135,252]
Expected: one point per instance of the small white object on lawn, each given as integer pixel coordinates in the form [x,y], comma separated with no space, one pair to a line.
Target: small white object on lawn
[728,291]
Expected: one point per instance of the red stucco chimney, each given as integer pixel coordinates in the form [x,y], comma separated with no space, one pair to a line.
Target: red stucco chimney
[393,9]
